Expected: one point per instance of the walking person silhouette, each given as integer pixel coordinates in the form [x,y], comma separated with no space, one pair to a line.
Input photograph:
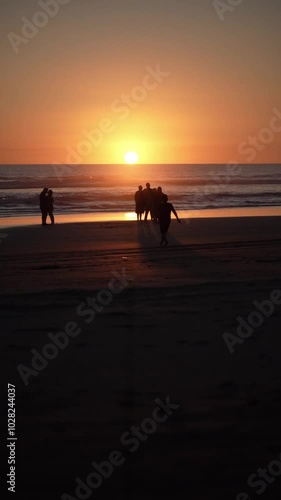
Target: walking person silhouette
[165,211]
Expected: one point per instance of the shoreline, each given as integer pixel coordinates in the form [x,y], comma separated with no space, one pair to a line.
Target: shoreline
[34,220]
[128,237]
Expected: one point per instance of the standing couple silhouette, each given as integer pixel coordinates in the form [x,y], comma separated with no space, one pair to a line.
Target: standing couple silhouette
[47,206]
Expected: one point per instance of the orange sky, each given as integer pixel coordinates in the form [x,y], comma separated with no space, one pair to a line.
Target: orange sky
[69,81]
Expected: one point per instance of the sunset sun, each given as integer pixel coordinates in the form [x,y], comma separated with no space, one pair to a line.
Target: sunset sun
[131,157]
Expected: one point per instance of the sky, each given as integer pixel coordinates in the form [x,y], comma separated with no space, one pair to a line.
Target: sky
[177,81]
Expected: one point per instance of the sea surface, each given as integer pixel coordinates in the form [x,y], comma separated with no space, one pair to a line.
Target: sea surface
[82,189]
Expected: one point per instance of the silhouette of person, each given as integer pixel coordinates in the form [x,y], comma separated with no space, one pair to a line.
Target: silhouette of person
[43,206]
[50,205]
[148,200]
[165,218]
[139,199]
[158,201]
[154,205]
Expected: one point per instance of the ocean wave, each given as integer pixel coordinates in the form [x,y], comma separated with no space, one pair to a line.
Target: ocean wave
[84,203]
[81,189]
[78,182]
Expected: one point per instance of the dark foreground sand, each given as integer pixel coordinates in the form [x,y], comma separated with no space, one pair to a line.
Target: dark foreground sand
[161,336]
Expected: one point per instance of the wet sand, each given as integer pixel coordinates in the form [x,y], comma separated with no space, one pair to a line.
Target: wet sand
[31,220]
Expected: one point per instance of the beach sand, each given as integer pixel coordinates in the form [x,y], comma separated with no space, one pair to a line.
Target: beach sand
[162,335]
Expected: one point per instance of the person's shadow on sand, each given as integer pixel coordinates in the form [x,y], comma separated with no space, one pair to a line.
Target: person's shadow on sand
[149,235]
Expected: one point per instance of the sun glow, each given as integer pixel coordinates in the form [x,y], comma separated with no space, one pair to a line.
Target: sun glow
[131,157]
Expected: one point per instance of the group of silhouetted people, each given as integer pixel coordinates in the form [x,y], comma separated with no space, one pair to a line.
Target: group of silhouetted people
[155,202]
[47,206]
[148,201]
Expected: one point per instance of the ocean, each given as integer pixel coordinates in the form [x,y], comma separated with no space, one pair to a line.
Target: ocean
[82,189]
